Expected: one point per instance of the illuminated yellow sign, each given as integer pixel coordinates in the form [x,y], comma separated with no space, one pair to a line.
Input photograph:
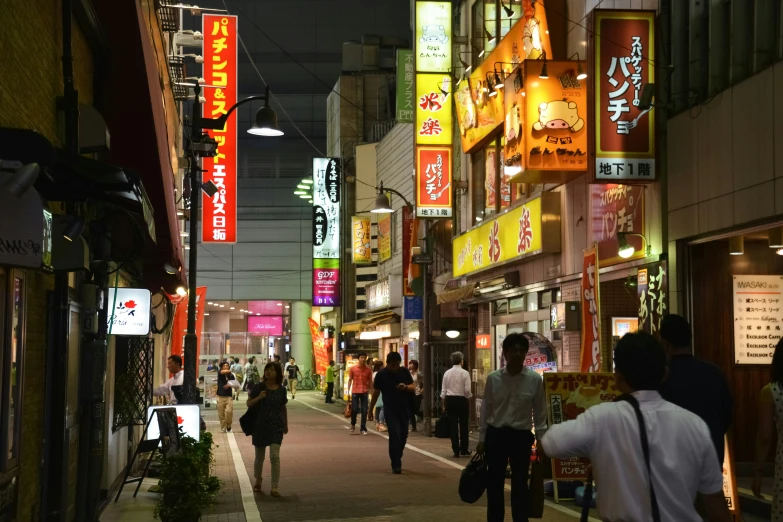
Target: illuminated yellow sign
[434,123]
[525,230]
[433,36]
[362,246]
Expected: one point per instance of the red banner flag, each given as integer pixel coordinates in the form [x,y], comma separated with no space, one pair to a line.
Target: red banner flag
[590,361]
[181,324]
[319,348]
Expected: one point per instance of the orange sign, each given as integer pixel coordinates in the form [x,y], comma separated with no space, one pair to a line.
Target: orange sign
[180,326]
[590,361]
[479,113]
[219,214]
[483,341]
[319,348]
[433,182]
[545,122]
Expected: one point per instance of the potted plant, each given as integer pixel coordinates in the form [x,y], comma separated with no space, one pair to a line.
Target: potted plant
[186,483]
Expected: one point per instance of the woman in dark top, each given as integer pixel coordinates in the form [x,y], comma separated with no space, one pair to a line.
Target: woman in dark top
[271,423]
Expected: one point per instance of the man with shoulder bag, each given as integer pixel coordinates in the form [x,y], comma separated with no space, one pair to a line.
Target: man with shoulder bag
[652,460]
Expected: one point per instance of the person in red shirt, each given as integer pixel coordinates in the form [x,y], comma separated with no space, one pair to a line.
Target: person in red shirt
[359,385]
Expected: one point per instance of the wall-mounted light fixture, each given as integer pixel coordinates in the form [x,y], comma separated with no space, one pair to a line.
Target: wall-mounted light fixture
[580,73]
[737,245]
[625,250]
[775,237]
[544,71]
[21,180]
[74,228]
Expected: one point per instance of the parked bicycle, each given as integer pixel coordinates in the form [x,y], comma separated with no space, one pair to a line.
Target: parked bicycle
[308,382]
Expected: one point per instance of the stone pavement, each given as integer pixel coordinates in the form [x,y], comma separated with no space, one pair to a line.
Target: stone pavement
[329,474]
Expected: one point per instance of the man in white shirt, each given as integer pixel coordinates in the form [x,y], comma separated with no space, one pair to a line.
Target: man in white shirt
[454,394]
[237,369]
[513,399]
[164,390]
[682,457]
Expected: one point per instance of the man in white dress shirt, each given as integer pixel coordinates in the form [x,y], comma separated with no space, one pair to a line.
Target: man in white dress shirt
[164,390]
[454,394]
[513,399]
[682,456]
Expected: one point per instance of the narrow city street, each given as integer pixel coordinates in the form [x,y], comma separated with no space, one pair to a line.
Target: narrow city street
[329,474]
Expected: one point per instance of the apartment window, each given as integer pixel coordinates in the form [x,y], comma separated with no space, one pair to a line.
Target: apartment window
[13,306]
[490,23]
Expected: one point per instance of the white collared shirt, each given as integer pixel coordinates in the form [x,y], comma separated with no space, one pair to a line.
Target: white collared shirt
[514,401]
[682,457]
[456,383]
[165,388]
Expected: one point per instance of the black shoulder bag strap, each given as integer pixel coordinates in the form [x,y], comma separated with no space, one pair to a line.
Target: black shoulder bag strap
[588,496]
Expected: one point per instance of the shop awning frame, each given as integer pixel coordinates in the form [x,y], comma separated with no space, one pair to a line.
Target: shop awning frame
[455,295]
[388,317]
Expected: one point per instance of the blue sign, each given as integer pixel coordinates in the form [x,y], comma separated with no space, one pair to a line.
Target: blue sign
[414,308]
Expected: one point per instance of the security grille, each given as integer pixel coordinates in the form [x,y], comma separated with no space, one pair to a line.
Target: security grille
[133,366]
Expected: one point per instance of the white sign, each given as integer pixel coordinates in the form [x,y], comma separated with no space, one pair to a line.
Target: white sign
[188,418]
[129,311]
[326,208]
[758,318]
[386,293]
[619,169]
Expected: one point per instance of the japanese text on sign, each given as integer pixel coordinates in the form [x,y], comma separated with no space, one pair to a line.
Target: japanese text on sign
[433,173]
[362,246]
[591,329]
[615,209]
[758,317]
[406,72]
[652,285]
[220,71]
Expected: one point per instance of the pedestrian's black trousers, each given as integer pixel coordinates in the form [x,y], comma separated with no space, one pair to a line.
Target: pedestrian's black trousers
[504,445]
[397,424]
[329,391]
[458,409]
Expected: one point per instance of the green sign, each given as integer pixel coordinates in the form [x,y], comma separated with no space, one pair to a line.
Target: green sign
[406,72]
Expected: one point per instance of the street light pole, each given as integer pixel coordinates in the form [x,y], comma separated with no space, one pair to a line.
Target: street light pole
[424,260]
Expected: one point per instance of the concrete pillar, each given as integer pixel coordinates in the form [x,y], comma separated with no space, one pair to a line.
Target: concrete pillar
[301,340]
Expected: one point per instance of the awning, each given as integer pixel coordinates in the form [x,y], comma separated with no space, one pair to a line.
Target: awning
[456,295]
[387,317]
[352,327]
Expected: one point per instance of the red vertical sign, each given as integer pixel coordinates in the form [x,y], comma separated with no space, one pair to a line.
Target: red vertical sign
[319,348]
[219,214]
[433,181]
[408,237]
[591,314]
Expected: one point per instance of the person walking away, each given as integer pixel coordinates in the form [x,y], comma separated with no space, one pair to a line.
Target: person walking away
[378,410]
[396,385]
[513,400]
[292,369]
[174,365]
[455,394]
[418,384]
[359,383]
[227,383]
[695,384]
[236,369]
[330,383]
[682,471]
[770,419]
[246,371]
[271,423]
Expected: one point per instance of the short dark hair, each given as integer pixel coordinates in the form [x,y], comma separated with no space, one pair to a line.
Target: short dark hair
[226,362]
[393,357]
[377,365]
[278,371]
[414,362]
[176,359]
[777,363]
[362,354]
[515,339]
[641,360]
[676,330]
[277,357]
[331,363]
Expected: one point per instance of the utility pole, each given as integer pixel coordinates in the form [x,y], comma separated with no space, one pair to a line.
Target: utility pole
[425,260]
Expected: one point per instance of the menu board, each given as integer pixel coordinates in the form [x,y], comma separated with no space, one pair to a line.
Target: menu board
[758,317]
[569,395]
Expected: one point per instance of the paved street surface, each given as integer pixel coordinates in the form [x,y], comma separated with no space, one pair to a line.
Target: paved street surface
[329,474]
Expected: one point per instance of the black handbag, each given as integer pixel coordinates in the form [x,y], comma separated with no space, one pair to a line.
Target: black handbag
[248,421]
[473,481]
[588,498]
[442,430]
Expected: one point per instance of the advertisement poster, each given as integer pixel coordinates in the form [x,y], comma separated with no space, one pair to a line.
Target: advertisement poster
[622,63]
[617,208]
[408,236]
[180,326]
[219,213]
[265,325]
[568,395]
[758,317]
[129,311]
[319,348]
[490,181]
[361,252]
[406,72]
[433,182]
[590,361]
[384,237]
[653,290]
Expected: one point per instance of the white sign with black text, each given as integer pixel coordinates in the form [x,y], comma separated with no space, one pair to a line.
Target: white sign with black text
[129,311]
[758,317]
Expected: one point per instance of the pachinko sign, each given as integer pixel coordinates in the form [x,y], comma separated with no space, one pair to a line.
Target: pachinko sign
[219,214]
[591,314]
[517,233]
[568,395]
[621,59]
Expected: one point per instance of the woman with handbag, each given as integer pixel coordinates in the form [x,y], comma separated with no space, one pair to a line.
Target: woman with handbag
[271,423]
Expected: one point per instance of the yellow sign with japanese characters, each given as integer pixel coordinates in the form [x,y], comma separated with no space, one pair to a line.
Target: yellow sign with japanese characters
[362,246]
[433,112]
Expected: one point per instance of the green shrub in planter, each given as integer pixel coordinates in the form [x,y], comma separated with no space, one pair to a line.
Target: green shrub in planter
[187,486]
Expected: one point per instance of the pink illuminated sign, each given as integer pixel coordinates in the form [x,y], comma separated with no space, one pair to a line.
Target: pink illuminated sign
[265,325]
[265,307]
[326,287]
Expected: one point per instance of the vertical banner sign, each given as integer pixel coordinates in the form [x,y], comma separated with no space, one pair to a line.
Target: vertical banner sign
[653,290]
[384,237]
[219,213]
[729,478]
[621,58]
[327,180]
[406,70]
[362,244]
[591,314]
[319,348]
[408,235]
[181,323]
[433,182]
[617,208]
[433,128]
[758,317]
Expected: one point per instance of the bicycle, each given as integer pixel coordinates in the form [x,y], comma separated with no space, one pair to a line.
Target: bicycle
[307,382]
